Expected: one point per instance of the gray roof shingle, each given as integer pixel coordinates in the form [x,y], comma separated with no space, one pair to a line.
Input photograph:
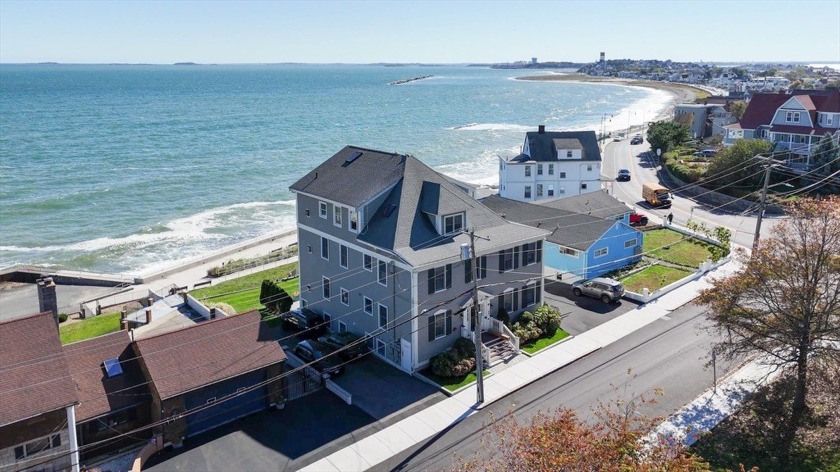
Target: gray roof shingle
[567,228]
[543,146]
[404,224]
[599,204]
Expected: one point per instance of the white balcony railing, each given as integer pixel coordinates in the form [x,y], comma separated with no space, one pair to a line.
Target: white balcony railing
[500,328]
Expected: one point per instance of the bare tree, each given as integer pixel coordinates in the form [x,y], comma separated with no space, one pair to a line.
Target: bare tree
[784,302]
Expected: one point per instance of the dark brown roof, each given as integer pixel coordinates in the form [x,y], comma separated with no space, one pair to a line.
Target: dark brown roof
[207,353]
[34,378]
[816,130]
[99,394]
[761,109]
[831,103]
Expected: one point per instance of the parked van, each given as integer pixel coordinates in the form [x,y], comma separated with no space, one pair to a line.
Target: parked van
[656,195]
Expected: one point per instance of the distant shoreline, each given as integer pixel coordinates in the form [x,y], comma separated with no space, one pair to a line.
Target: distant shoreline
[682,93]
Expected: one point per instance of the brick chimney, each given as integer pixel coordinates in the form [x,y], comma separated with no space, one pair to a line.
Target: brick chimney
[213,313]
[541,129]
[148,315]
[47,300]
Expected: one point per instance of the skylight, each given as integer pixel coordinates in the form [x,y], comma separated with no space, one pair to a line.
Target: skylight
[353,157]
[113,367]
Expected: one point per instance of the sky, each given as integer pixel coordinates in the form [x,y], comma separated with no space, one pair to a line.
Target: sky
[445,31]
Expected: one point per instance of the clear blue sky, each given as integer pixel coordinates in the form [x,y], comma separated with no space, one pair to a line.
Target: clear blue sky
[417,31]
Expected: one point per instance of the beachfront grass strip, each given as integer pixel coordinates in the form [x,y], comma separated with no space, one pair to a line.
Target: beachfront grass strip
[89,328]
[667,245]
[535,345]
[452,383]
[653,278]
[243,293]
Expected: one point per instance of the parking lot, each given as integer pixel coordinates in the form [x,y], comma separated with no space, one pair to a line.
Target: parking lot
[581,314]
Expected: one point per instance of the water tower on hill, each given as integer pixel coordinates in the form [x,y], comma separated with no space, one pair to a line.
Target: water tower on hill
[603,58]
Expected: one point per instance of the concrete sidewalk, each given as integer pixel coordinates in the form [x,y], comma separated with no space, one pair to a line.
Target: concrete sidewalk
[378,447]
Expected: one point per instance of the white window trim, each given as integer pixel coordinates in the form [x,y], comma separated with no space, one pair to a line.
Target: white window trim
[441,313]
[379,279]
[365,306]
[604,251]
[337,221]
[505,294]
[631,243]
[342,327]
[327,319]
[341,292]
[49,439]
[528,171]
[551,169]
[325,282]
[342,247]
[379,308]
[442,289]
[452,217]
[323,210]
[565,251]
[351,213]
[370,258]
[327,241]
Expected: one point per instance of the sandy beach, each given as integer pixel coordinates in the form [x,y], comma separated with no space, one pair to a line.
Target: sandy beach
[680,93]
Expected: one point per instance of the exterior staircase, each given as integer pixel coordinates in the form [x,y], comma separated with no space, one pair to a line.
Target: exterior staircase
[499,348]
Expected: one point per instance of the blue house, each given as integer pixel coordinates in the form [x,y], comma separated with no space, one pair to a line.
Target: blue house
[579,244]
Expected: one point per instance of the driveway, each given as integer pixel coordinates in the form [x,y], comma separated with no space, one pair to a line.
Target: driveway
[582,313]
[273,440]
[382,390]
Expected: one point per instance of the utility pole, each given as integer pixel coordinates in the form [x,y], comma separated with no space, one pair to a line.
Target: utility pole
[763,203]
[479,358]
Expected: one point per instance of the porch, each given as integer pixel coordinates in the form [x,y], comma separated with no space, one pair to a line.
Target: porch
[498,343]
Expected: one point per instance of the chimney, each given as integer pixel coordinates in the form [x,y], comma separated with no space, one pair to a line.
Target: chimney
[47,300]
[213,313]
[541,129]
[148,315]
[184,296]
[123,321]
[149,301]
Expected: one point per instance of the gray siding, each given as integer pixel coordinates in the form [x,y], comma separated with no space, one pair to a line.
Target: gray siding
[313,219]
[360,283]
[454,298]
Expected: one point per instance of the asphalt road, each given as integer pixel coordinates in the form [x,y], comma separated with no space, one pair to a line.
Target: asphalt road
[670,353]
[623,155]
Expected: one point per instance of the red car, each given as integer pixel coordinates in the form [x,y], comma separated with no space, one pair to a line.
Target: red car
[638,219]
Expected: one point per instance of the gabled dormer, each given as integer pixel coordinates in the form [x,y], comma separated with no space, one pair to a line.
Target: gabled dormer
[796,111]
[440,211]
[568,148]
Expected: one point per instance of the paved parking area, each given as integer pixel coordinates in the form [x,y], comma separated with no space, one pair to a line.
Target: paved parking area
[382,390]
[285,439]
[582,313]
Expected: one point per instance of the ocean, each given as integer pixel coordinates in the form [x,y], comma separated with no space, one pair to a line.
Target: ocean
[129,168]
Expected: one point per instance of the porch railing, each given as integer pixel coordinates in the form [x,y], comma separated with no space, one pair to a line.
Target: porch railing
[500,328]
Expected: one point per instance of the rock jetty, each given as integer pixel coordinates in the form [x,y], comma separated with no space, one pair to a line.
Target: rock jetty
[405,81]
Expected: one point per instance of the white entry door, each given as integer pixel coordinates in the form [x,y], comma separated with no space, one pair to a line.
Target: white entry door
[405,355]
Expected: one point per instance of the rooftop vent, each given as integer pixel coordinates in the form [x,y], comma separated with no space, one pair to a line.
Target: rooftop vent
[353,157]
[112,367]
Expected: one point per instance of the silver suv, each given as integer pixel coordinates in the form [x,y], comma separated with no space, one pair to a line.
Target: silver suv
[608,290]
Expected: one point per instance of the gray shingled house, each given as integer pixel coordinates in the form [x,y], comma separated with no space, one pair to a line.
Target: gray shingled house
[380,238]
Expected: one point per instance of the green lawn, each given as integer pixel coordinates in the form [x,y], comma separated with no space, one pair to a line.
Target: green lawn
[452,383]
[689,253]
[243,293]
[535,345]
[653,278]
[89,328]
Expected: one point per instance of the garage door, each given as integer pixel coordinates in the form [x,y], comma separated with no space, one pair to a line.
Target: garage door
[224,412]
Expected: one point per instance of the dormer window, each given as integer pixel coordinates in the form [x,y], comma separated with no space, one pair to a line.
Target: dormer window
[569,154]
[792,117]
[453,223]
[354,220]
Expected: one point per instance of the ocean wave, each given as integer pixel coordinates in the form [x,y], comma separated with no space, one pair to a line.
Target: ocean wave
[492,127]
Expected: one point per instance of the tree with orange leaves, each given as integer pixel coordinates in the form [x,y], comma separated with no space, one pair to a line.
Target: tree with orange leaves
[784,302]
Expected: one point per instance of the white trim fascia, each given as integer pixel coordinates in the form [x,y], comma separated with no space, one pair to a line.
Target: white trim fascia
[415,327]
[353,245]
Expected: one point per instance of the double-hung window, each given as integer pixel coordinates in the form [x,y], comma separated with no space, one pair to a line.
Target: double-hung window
[383,316]
[569,154]
[506,260]
[383,273]
[345,297]
[539,190]
[481,267]
[325,248]
[368,306]
[325,281]
[343,256]
[440,324]
[368,263]
[322,210]
[337,215]
[353,216]
[453,223]
[551,169]
[529,295]
[529,254]
[440,278]
[528,191]
[550,190]
[527,171]
[539,169]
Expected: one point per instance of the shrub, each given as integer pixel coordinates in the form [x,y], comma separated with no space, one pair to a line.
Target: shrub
[544,321]
[503,316]
[464,347]
[450,364]
[274,297]
[548,319]
[526,329]
[62,317]
[227,309]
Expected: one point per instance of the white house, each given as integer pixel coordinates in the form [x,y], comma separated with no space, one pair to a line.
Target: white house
[552,165]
